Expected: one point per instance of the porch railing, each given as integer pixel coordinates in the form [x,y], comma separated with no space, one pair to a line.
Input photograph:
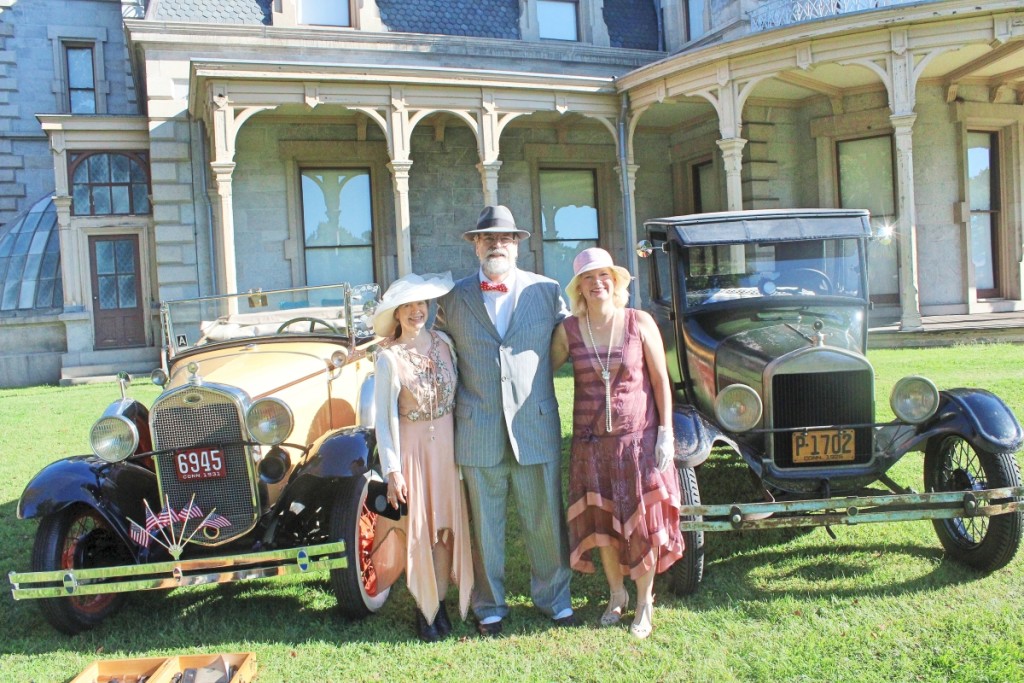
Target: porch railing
[776,13]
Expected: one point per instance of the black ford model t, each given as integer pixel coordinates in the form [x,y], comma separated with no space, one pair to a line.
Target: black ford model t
[764,316]
[256,460]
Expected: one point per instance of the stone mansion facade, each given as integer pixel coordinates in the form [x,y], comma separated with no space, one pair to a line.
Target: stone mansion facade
[179,148]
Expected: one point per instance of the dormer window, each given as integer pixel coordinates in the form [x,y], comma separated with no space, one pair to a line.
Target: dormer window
[558,19]
[325,12]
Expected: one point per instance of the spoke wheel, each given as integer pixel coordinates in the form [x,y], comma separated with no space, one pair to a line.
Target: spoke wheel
[687,573]
[78,537]
[952,464]
[353,522]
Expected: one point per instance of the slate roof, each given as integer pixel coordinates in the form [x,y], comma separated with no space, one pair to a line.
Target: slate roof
[477,18]
[211,12]
[632,23]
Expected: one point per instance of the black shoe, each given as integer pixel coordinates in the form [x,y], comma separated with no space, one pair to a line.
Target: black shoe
[426,631]
[566,622]
[489,630]
[441,622]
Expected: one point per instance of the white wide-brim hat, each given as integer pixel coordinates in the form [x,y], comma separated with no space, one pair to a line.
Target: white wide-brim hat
[406,290]
[495,218]
[593,259]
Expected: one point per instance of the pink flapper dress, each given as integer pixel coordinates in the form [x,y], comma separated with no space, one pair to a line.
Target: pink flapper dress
[436,499]
[617,495]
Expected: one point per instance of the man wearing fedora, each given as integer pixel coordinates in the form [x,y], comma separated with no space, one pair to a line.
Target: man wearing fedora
[507,431]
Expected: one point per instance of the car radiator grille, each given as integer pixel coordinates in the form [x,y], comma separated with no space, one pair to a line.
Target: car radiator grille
[202,417]
[822,399]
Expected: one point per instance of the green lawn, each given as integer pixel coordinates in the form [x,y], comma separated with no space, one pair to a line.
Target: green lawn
[879,603]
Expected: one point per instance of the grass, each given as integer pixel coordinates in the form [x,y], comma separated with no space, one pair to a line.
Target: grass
[878,603]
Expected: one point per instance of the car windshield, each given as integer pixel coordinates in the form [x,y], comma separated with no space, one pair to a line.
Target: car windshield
[724,272]
[189,323]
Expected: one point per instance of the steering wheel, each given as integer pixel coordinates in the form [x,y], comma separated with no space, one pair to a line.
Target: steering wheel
[807,279]
[313,322]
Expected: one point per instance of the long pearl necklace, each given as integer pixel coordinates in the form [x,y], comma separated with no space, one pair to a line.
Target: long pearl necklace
[606,374]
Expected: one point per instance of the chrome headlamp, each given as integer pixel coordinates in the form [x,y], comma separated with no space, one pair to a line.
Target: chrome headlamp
[113,438]
[738,408]
[914,399]
[269,421]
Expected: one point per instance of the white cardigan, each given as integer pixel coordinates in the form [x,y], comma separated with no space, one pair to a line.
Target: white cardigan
[385,402]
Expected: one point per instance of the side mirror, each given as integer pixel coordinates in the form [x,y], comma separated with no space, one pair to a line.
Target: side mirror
[644,248]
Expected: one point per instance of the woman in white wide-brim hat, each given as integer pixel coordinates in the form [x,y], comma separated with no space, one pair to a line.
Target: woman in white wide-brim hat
[414,395]
[623,487]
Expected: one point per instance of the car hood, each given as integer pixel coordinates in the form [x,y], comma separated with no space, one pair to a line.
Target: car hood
[743,356]
[259,370]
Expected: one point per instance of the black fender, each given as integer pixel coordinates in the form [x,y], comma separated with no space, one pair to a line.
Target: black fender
[116,491]
[342,454]
[978,415]
[695,436]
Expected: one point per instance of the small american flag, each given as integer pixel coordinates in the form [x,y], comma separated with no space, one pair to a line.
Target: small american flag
[191,512]
[152,523]
[138,534]
[166,517]
[216,521]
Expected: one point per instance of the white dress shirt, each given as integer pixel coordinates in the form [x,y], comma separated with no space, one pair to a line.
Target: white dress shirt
[501,304]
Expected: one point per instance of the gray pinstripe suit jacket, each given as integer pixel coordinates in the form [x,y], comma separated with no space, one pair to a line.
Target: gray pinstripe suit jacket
[505,384]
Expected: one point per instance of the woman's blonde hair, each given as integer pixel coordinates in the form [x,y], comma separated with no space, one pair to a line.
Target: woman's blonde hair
[620,295]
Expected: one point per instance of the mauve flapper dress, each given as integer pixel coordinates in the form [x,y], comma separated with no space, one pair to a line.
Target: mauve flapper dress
[617,495]
[436,500]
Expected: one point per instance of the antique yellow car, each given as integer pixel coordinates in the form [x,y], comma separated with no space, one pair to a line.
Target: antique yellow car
[256,460]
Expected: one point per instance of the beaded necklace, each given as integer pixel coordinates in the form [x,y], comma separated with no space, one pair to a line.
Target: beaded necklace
[606,374]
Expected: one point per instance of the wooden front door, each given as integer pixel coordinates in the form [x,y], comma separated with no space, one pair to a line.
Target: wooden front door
[116,291]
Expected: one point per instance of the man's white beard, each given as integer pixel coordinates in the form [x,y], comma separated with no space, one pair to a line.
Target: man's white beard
[494,267]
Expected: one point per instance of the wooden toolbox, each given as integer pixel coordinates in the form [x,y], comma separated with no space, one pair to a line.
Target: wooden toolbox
[239,667]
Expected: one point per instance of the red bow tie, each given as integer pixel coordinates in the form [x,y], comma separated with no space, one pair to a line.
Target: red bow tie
[486,286]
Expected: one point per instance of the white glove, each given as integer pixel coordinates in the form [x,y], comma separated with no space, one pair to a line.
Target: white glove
[665,449]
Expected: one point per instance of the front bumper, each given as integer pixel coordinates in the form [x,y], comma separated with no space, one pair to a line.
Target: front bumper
[900,507]
[175,574]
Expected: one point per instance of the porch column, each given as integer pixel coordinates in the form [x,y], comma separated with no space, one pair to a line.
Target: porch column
[71,248]
[403,220]
[732,159]
[910,304]
[489,174]
[227,277]
[629,187]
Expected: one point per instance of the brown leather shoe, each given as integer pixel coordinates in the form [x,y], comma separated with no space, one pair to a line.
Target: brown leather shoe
[567,622]
[489,630]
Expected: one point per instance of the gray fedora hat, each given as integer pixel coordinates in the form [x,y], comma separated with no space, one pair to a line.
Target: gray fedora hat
[495,219]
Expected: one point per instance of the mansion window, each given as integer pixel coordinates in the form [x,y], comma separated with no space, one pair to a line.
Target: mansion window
[866,181]
[558,19]
[325,12]
[983,191]
[104,184]
[695,19]
[337,221]
[81,78]
[569,218]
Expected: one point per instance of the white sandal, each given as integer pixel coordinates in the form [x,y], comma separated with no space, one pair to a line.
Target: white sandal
[642,626]
[613,612]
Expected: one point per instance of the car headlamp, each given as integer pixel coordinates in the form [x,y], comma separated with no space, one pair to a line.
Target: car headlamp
[113,438]
[269,421]
[914,399]
[738,408]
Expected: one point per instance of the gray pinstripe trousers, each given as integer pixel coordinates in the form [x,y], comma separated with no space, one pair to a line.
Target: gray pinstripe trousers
[544,532]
